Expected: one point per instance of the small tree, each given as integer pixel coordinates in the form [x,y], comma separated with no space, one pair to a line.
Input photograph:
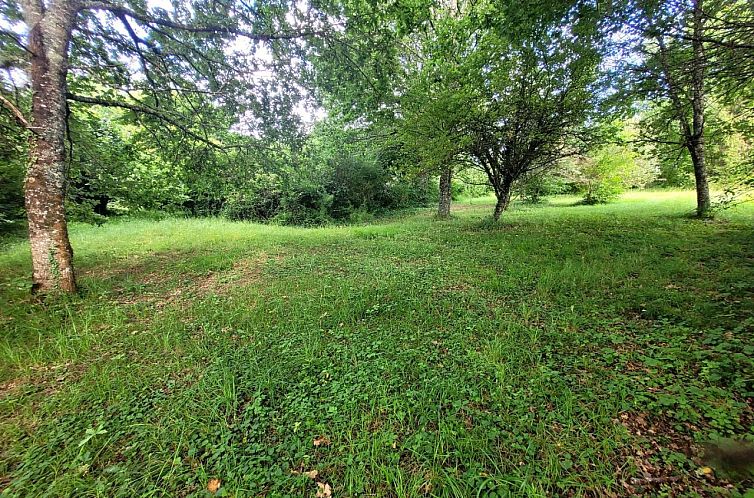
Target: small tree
[604,175]
[686,54]
[532,102]
[433,100]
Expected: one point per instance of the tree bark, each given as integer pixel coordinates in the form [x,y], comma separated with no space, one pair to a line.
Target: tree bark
[443,208]
[703,201]
[693,133]
[49,38]
[503,194]
[695,142]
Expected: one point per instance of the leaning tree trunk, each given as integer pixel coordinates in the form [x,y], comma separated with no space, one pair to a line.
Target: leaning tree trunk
[443,207]
[500,206]
[503,194]
[695,143]
[52,255]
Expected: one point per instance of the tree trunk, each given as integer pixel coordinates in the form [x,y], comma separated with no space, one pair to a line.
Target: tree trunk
[443,208]
[695,143]
[503,194]
[500,206]
[51,252]
[703,202]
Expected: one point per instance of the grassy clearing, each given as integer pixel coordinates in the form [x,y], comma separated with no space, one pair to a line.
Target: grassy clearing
[569,350]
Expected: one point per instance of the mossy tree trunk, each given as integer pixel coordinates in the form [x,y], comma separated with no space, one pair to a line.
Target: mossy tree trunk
[49,37]
[443,207]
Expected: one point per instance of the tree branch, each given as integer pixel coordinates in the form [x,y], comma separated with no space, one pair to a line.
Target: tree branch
[225,30]
[142,109]
[17,114]
[137,45]
[14,38]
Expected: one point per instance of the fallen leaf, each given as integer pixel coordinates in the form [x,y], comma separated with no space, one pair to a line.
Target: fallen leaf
[311,474]
[322,441]
[213,485]
[323,490]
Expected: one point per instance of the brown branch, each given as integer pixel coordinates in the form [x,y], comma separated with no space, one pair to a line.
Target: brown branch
[643,481]
[137,45]
[14,38]
[673,90]
[719,42]
[17,114]
[142,109]
[224,30]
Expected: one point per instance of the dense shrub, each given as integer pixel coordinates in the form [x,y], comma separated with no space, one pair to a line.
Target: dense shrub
[259,199]
[535,188]
[117,167]
[469,183]
[602,191]
[12,170]
[11,191]
[457,190]
[357,184]
[606,173]
[407,192]
[305,204]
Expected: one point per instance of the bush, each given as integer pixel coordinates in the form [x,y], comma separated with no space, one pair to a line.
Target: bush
[360,215]
[12,170]
[458,190]
[356,183]
[603,191]
[535,188]
[604,175]
[305,204]
[469,183]
[11,193]
[260,199]
[411,192]
[84,212]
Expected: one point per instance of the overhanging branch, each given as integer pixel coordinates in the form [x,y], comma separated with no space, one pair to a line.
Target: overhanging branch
[218,30]
[16,112]
[15,39]
[150,111]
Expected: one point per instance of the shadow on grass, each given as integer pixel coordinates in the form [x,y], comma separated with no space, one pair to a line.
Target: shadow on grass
[11,233]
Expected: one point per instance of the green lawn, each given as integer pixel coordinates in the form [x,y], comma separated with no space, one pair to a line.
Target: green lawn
[566,351]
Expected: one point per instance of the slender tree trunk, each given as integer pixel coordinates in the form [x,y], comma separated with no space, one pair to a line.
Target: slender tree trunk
[503,194]
[443,208]
[693,133]
[703,201]
[696,141]
[500,206]
[52,255]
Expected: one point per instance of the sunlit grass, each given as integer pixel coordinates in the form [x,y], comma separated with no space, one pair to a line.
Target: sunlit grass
[439,358]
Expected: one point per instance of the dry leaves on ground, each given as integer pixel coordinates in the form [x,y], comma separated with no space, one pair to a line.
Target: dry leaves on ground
[323,490]
[322,441]
[213,485]
[311,474]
